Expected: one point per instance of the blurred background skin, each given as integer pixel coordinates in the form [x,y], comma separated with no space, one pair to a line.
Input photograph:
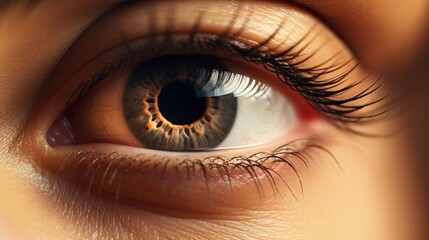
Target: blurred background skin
[415,70]
[419,116]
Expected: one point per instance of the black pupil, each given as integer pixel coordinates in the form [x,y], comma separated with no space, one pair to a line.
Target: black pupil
[179,104]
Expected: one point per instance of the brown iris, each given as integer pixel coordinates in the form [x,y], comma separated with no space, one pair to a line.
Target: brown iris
[166,110]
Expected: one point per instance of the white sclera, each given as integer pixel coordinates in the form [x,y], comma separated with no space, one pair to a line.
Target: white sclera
[263,113]
[261,120]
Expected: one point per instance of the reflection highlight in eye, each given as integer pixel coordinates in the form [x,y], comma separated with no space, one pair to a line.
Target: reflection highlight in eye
[118,165]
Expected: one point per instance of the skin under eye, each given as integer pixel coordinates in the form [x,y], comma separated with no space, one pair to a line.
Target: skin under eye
[94,144]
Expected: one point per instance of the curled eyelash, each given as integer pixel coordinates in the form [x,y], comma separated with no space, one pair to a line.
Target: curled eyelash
[335,98]
[114,167]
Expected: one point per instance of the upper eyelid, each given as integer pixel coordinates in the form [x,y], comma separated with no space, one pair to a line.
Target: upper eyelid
[86,43]
[268,40]
[110,70]
[143,24]
[117,66]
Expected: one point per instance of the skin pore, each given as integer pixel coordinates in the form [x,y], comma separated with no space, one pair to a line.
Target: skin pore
[47,50]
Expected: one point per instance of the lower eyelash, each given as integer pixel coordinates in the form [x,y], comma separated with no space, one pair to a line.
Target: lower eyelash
[116,166]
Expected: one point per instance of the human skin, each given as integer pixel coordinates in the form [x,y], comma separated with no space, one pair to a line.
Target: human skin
[375,195]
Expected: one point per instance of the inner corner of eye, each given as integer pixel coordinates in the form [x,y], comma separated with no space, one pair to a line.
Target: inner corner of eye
[61,132]
[185,103]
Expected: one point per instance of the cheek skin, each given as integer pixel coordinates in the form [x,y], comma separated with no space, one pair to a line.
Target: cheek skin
[126,223]
[379,194]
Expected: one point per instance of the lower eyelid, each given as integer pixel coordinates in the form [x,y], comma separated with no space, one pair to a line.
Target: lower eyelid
[188,184]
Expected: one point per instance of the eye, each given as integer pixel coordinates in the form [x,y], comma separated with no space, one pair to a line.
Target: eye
[181,103]
[200,111]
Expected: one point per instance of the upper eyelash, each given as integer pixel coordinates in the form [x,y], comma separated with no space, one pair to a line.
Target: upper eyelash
[342,113]
[211,79]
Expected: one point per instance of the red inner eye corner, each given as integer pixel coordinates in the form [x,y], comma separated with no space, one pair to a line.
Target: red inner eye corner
[306,112]
[61,133]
